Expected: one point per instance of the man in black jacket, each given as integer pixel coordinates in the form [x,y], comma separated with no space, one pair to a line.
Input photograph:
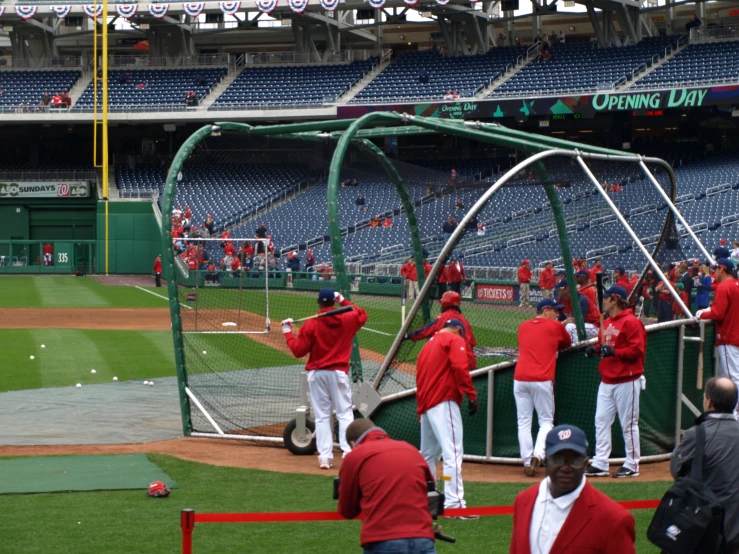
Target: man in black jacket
[721,454]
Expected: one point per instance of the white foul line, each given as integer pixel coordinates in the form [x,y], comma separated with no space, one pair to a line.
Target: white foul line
[376,331]
[160,296]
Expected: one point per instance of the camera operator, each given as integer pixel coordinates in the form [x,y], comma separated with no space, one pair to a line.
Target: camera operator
[387,481]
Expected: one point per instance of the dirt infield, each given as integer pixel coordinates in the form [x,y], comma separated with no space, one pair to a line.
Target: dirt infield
[235,453]
[118,319]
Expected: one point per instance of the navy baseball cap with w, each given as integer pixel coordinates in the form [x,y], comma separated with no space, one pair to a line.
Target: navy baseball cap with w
[326,295]
[615,290]
[548,303]
[566,437]
[455,323]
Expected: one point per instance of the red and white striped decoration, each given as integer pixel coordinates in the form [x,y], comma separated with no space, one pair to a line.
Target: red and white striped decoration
[93,11]
[266,6]
[127,11]
[194,10]
[61,11]
[2,10]
[378,3]
[26,12]
[230,8]
[158,10]
[410,2]
[442,2]
[298,6]
[329,5]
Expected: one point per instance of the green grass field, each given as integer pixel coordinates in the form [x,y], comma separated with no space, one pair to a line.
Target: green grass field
[50,291]
[126,521]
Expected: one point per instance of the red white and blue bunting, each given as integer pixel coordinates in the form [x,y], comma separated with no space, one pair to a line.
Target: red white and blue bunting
[298,6]
[266,6]
[410,2]
[26,12]
[158,10]
[377,4]
[127,10]
[230,8]
[61,11]
[445,2]
[93,11]
[2,10]
[194,10]
[329,5]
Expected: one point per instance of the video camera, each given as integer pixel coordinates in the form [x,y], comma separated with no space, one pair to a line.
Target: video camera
[436,506]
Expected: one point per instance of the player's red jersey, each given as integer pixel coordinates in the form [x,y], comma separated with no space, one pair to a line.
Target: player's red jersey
[725,312]
[539,340]
[628,338]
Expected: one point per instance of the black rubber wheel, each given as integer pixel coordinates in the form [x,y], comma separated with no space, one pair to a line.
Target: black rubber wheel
[300,446]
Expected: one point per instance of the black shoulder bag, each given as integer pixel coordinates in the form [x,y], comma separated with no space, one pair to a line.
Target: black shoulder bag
[689,519]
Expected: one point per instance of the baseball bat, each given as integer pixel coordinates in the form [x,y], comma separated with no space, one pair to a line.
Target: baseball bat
[337,311]
[699,384]
[599,289]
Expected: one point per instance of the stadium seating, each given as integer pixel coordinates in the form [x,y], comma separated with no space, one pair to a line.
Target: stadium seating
[579,67]
[465,74]
[28,87]
[165,89]
[294,86]
[702,63]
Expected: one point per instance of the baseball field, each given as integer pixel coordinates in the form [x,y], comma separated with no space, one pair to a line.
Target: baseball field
[121,329]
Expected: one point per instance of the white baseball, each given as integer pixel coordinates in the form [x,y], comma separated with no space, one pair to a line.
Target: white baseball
[115,378]
[43,346]
[146,382]
[93,371]
[151,383]
[204,352]
[33,357]
[78,385]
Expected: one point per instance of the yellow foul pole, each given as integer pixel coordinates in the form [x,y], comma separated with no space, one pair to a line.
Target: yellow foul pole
[105,124]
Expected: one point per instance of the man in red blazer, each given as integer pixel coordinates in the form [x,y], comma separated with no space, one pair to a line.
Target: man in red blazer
[456,275]
[564,513]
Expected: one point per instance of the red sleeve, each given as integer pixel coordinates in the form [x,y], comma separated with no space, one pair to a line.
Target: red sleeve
[720,307]
[634,348]
[301,346]
[350,493]
[460,369]
[622,536]
[565,340]
[520,275]
[359,313]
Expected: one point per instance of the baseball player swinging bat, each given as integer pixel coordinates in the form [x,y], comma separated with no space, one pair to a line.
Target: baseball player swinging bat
[599,289]
[337,311]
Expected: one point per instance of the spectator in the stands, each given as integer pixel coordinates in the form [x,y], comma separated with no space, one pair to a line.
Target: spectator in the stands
[561,37]
[375,221]
[259,262]
[235,266]
[360,203]
[199,80]
[449,95]
[459,205]
[270,245]
[310,260]
[261,231]
[56,101]
[247,251]
[702,296]
[230,250]
[387,222]
[46,100]
[292,264]
[66,100]
[212,273]
[537,40]
[722,251]
[143,85]
[210,224]
[448,228]
[480,229]
[423,76]
[545,41]
[519,42]
[694,23]
[455,96]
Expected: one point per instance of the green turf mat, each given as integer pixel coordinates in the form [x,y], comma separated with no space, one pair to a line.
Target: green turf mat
[79,473]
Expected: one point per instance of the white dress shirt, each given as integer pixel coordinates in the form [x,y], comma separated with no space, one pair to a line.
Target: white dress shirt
[549,516]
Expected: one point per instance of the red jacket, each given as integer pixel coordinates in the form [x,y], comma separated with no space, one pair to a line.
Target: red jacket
[436,325]
[48,249]
[539,340]
[443,275]
[230,249]
[593,315]
[158,265]
[625,282]
[456,272]
[547,280]
[328,340]
[725,312]
[394,504]
[235,264]
[627,336]
[409,271]
[595,524]
[597,268]
[524,275]
[676,309]
[441,372]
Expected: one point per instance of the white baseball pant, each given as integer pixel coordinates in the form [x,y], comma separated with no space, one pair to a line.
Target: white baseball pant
[547,293]
[728,365]
[411,291]
[530,396]
[590,331]
[329,387]
[441,437]
[621,399]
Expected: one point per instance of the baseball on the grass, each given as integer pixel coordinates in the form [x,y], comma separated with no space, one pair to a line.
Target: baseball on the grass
[78,385]
[93,371]
[204,352]
[43,346]
[33,357]
[115,378]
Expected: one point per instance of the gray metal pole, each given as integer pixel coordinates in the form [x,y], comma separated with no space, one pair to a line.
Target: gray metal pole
[680,371]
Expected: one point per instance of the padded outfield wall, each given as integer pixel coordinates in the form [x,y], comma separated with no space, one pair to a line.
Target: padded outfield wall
[134,238]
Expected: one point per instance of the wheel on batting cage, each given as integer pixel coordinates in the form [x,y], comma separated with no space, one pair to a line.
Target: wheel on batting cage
[300,446]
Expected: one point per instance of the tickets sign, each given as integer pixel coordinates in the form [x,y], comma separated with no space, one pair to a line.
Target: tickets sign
[45,189]
[494,293]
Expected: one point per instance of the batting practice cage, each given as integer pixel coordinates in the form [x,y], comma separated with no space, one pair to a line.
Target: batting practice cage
[334,191]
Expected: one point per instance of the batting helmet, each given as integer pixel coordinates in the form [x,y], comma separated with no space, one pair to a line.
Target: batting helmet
[450,298]
[158,490]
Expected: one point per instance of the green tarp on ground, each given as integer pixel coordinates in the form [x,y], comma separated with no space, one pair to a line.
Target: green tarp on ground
[79,473]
